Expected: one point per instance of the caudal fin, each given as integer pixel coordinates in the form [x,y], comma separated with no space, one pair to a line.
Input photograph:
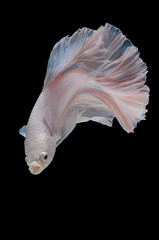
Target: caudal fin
[119,74]
[115,75]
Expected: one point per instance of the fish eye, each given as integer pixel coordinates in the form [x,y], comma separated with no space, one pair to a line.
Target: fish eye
[44,156]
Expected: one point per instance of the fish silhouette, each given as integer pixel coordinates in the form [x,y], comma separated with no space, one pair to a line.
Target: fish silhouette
[93,75]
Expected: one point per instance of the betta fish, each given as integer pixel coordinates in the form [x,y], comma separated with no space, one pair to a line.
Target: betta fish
[92,75]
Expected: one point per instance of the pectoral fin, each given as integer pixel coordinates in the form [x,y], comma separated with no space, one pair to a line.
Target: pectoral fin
[22,131]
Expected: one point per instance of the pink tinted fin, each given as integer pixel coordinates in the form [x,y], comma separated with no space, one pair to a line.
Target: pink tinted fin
[119,74]
[116,75]
[127,108]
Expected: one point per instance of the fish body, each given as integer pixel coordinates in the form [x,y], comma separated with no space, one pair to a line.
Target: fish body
[92,75]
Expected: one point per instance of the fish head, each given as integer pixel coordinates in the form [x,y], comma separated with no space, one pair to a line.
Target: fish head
[40,156]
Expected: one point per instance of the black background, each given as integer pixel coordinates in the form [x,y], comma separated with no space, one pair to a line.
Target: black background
[97,168]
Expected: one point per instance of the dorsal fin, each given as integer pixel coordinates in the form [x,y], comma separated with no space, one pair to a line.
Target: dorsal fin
[64,52]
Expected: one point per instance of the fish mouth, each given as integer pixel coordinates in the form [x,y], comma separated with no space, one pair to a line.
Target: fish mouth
[35,168]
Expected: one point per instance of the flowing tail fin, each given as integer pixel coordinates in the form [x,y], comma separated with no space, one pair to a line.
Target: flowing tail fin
[113,73]
[119,75]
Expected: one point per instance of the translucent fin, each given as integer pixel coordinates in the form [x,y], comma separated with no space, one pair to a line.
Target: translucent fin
[92,107]
[64,53]
[128,108]
[120,74]
[22,131]
[115,75]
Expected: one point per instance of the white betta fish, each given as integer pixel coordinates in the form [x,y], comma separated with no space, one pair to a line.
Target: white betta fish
[92,75]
